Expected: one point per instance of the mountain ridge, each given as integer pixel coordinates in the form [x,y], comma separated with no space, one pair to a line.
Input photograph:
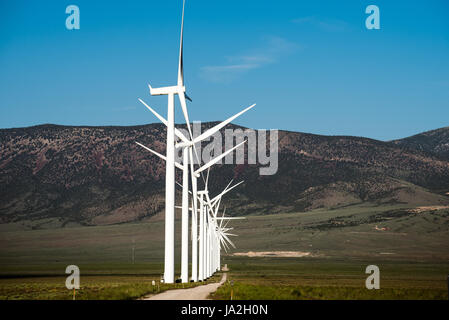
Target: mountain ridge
[216,122]
[434,142]
[97,174]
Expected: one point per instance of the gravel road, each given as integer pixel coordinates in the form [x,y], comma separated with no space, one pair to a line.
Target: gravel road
[200,292]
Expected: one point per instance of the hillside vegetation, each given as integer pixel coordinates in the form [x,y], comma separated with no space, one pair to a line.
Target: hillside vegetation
[98,175]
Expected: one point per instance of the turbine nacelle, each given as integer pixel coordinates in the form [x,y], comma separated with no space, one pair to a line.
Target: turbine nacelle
[168,90]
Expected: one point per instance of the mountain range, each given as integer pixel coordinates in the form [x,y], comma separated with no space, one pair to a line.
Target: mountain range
[98,175]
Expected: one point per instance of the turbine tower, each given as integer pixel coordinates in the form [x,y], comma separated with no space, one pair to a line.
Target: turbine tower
[179,89]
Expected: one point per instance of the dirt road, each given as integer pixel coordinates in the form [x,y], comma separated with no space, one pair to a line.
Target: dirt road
[200,292]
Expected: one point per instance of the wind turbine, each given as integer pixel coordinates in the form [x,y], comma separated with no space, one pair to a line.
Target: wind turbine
[184,168]
[209,210]
[171,91]
[220,231]
[188,145]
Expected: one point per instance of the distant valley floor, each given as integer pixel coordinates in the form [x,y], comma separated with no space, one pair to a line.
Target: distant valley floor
[410,245]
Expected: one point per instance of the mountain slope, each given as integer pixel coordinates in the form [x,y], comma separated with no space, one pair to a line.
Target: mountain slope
[98,175]
[434,142]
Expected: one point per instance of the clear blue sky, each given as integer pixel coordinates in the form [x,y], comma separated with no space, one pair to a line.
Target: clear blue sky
[310,66]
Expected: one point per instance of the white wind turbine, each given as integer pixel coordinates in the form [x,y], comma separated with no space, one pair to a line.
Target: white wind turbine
[184,168]
[212,235]
[205,231]
[220,238]
[188,146]
[208,229]
[221,234]
[171,91]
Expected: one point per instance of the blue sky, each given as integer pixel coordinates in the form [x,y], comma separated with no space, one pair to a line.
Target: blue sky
[311,66]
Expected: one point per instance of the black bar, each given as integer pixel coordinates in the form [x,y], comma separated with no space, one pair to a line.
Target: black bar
[174,309]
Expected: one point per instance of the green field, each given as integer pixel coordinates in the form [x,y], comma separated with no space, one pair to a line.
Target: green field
[410,248]
[314,278]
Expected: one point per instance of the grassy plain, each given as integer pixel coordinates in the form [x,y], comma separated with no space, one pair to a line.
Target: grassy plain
[410,247]
[318,278]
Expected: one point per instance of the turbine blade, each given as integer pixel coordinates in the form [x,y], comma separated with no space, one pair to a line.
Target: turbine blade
[216,159]
[154,112]
[152,151]
[182,100]
[207,180]
[212,130]
[221,221]
[180,185]
[225,246]
[179,166]
[226,224]
[180,66]
[162,119]
[180,207]
[230,182]
[225,191]
[217,206]
[228,240]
